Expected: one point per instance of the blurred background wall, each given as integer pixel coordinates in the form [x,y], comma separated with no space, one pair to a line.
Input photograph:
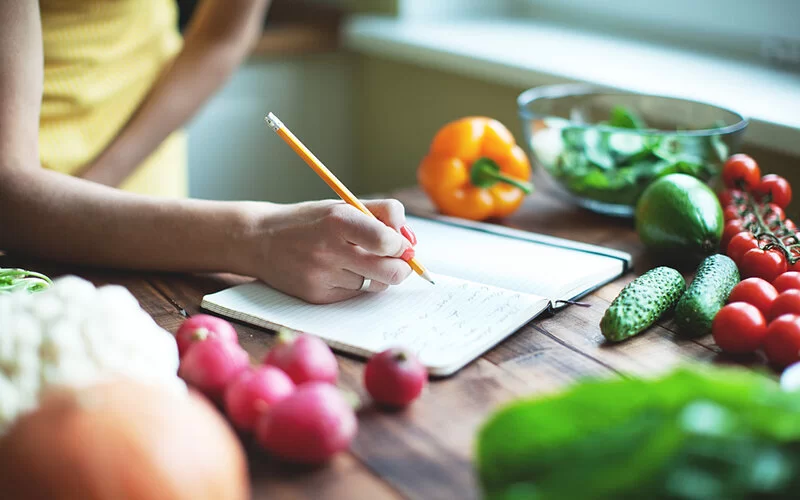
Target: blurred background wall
[370,119]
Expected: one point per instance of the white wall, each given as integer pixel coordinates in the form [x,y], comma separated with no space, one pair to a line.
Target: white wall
[233,155]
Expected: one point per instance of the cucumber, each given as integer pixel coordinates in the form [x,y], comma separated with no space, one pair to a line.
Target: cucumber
[641,303]
[708,292]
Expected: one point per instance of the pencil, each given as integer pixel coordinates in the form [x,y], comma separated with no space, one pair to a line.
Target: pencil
[330,179]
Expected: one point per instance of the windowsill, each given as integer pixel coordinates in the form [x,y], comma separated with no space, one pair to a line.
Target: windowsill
[529,53]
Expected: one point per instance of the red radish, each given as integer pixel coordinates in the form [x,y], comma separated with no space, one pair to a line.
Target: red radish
[310,426]
[201,327]
[305,358]
[210,365]
[395,377]
[253,392]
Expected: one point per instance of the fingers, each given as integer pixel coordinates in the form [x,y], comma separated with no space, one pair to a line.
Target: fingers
[381,269]
[353,281]
[348,285]
[390,212]
[393,214]
[367,232]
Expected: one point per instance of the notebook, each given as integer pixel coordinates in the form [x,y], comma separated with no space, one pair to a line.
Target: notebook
[490,281]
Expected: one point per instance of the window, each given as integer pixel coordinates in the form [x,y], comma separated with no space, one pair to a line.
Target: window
[756,30]
[750,29]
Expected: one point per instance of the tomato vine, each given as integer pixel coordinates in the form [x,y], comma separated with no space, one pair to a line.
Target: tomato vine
[775,233]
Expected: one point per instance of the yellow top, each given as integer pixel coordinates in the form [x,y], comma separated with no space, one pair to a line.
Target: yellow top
[101,57]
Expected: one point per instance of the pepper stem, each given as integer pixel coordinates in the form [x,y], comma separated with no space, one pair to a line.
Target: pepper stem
[486,173]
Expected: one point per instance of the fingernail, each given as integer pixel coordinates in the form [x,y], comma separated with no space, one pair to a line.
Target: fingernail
[409,235]
[408,254]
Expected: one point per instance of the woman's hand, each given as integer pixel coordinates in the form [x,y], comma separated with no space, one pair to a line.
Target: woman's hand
[322,251]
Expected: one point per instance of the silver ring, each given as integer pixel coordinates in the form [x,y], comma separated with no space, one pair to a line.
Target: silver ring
[365,285]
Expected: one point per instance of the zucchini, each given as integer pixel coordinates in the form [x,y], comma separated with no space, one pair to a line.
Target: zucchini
[708,292]
[641,303]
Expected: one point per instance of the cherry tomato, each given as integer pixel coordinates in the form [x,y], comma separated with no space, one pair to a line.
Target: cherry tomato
[777,188]
[795,255]
[773,213]
[790,225]
[764,264]
[740,244]
[790,280]
[731,213]
[741,171]
[729,197]
[749,219]
[788,302]
[732,228]
[739,327]
[782,341]
[754,291]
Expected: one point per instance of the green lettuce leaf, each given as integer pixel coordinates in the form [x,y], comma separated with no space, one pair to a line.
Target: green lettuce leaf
[697,433]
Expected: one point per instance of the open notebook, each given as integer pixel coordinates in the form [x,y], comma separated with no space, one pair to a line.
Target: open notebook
[490,281]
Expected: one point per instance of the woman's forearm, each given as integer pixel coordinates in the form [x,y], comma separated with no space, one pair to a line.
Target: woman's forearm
[58,217]
[218,38]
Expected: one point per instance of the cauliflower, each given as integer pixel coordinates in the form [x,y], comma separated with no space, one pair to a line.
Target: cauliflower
[73,334]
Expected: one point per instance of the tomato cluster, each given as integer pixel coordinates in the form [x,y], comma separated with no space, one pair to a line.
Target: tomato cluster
[762,315]
[763,310]
[757,234]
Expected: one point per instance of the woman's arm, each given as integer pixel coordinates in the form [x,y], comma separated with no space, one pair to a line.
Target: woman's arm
[57,216]
[318,251]
[219,36]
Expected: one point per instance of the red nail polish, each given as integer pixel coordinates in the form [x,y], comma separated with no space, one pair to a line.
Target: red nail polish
[409,235]
[408,254]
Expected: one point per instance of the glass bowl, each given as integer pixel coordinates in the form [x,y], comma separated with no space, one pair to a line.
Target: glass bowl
[602,147]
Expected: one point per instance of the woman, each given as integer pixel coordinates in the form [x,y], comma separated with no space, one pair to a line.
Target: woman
[96,91]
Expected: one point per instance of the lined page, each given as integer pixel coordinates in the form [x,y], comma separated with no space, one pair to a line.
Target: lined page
[523,266]
[446,325]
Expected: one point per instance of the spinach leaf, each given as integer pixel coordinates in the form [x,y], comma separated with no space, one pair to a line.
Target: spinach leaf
[697,433]
[615,166]
[622,117]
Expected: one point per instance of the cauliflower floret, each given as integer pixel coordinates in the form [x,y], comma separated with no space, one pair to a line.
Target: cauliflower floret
[74,335]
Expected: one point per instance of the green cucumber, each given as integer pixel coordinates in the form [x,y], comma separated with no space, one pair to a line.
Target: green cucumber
[641,303]
[708,292]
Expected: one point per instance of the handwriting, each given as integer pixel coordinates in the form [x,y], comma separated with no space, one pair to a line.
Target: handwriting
[442,323]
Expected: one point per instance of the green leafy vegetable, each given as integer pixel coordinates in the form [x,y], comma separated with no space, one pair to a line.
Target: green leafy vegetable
[628,159]
[20,279]
[623,117]
[697,433]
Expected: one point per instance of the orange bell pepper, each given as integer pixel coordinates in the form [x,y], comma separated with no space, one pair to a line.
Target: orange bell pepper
[475,170]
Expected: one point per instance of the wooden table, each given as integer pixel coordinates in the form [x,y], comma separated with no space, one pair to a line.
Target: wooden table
[425,451]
